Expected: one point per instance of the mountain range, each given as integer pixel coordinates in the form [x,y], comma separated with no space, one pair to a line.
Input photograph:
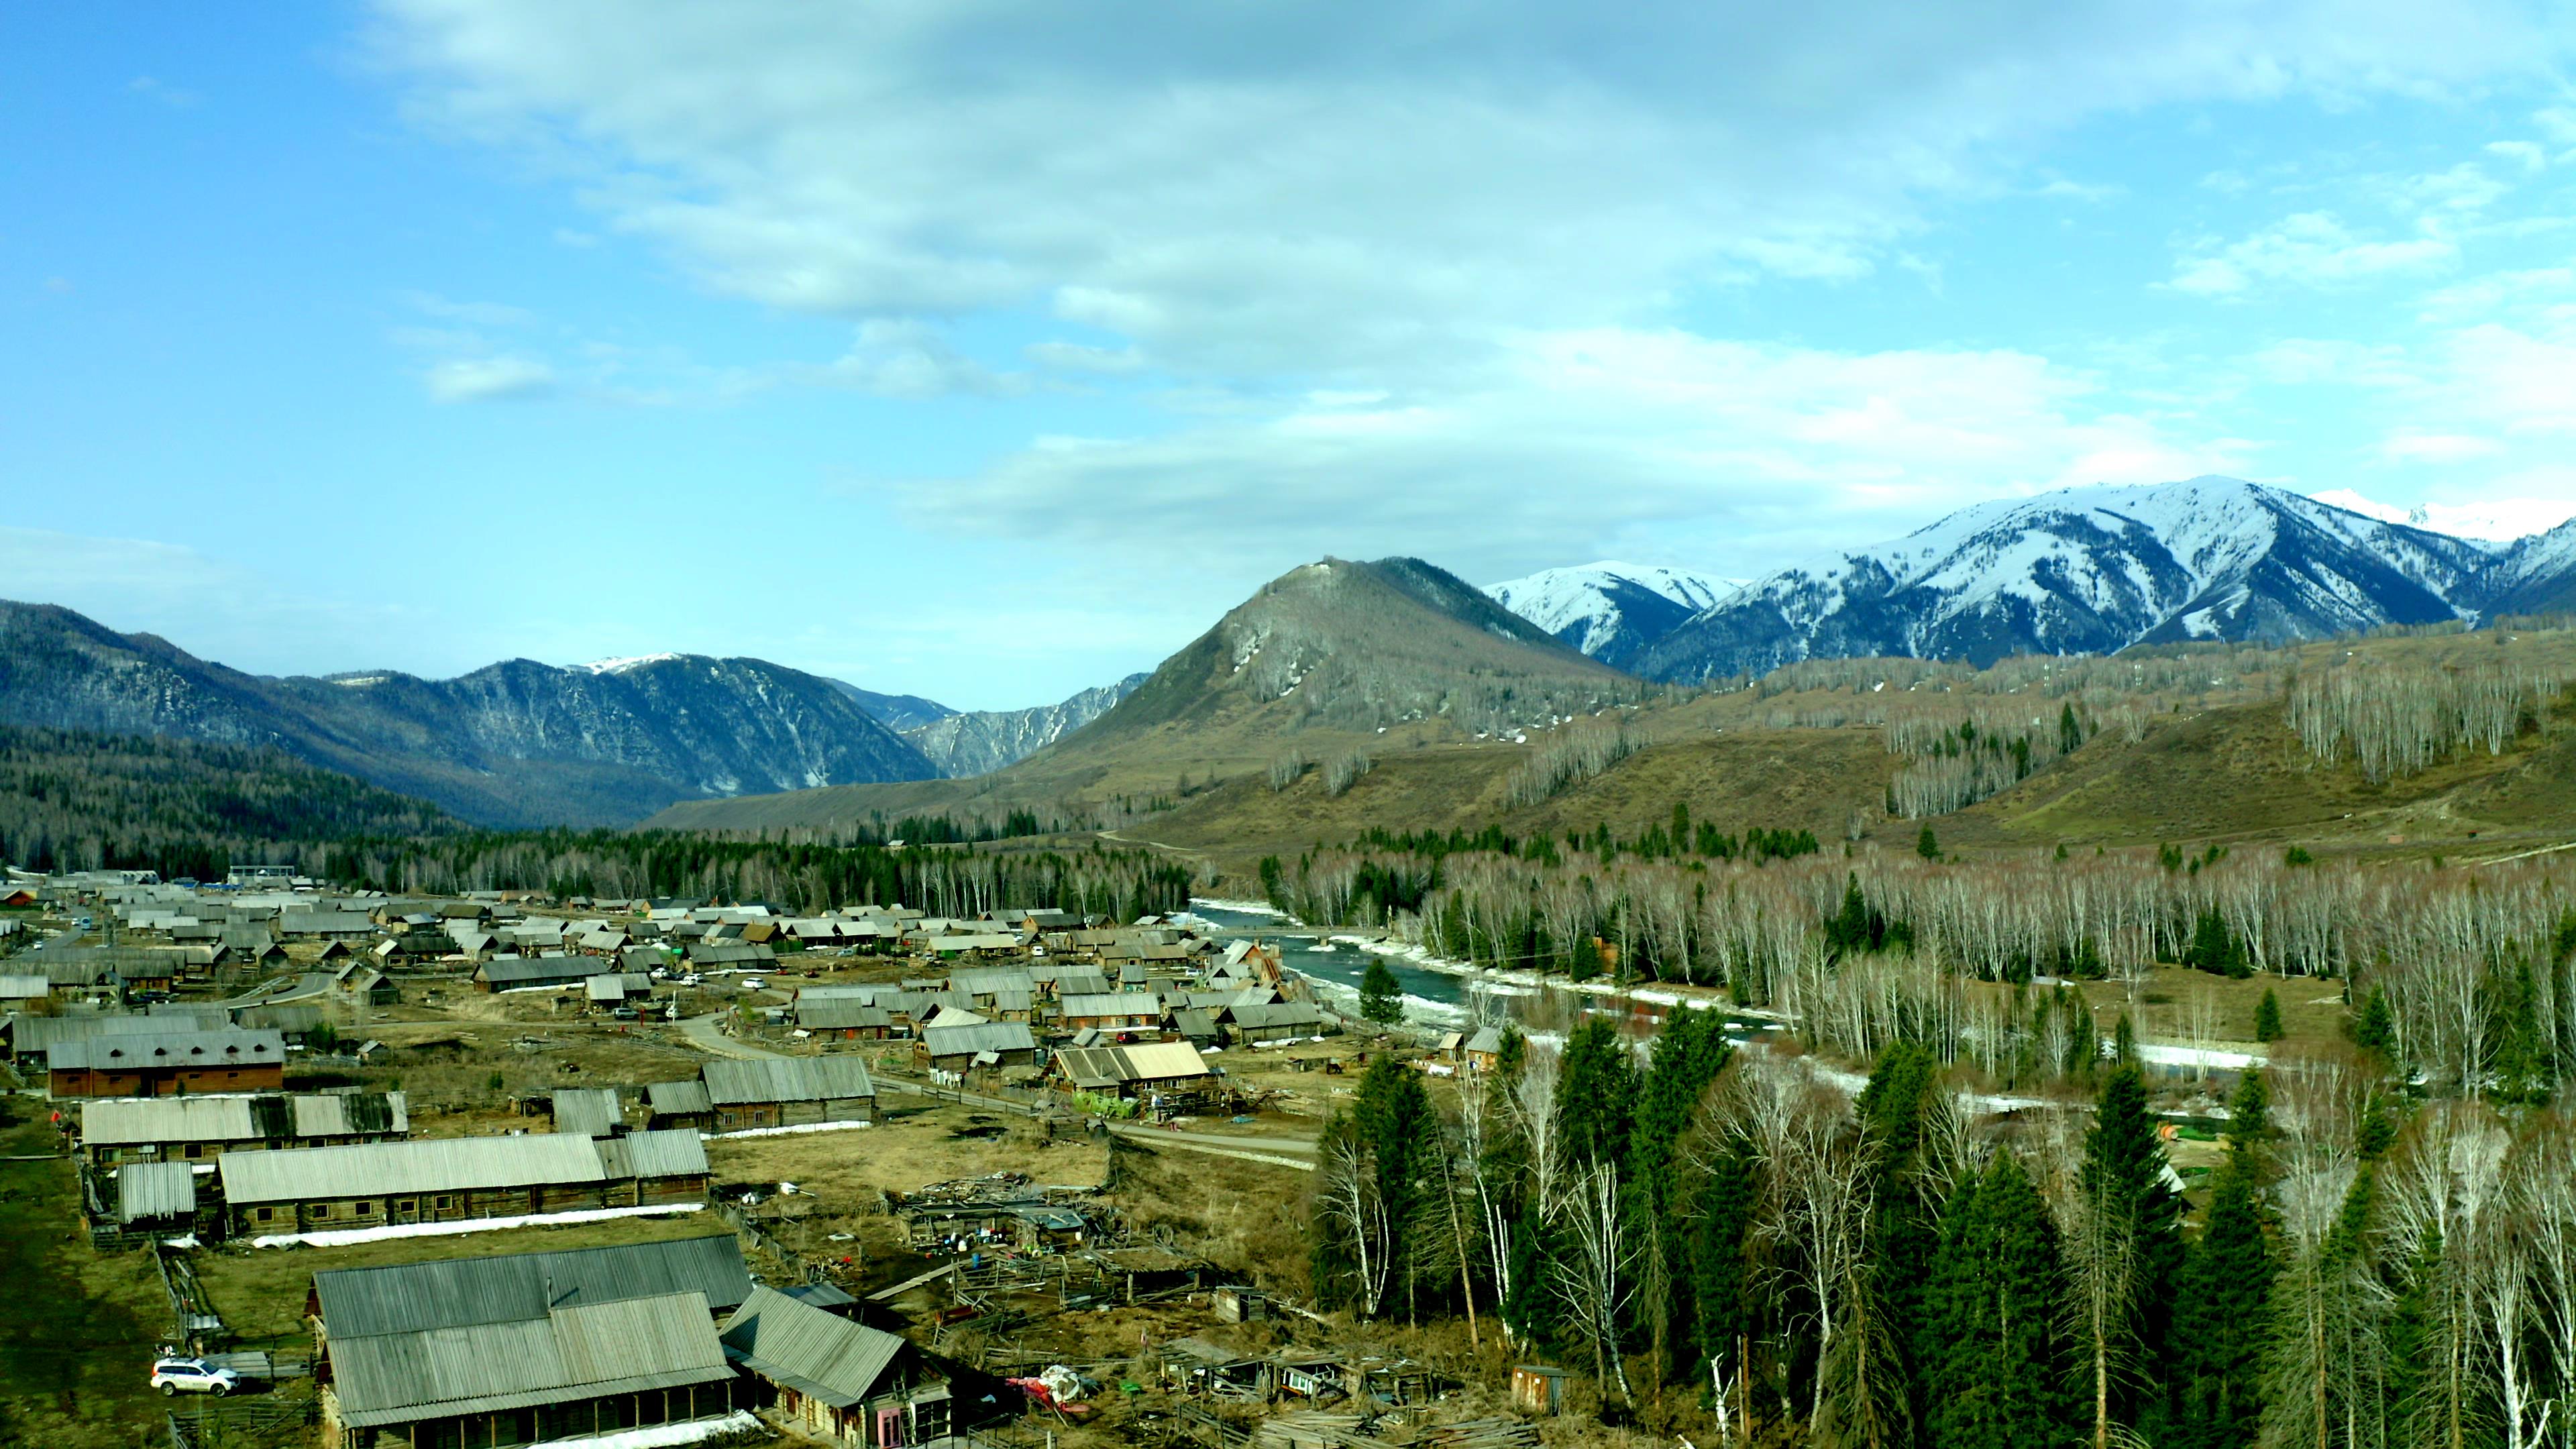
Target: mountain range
[1342,651]
[515,743]
[2082,570]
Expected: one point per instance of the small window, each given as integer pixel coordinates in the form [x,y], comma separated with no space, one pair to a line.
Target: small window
[444,1202]
[196,1149]
[267,1214]
[365,1207]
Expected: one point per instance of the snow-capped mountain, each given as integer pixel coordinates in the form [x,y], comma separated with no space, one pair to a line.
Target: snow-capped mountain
[2536,576]
[2501,522]
[1612,611]
[2089,570]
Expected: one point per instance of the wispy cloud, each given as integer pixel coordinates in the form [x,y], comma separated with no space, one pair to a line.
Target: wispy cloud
[489,379]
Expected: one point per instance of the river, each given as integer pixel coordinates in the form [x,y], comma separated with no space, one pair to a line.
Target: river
[1449,995]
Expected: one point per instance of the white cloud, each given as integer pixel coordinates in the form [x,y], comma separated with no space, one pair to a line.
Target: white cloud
[2526,154]
[1253,192]
[489,379]
[2312,248]
[1734,454]
[907,359]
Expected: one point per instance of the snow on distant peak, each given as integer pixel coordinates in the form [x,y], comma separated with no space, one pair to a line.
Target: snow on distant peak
[622,664]
[1555,598]
[1611,610]
[2500,521]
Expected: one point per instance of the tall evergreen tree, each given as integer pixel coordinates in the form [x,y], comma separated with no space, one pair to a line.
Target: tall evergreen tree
[1381,997]
[1727,1299]
[1904,1235]
[2222,1314]
[2123,1178]
[1596,1093]
[1997,1362]
[1687,1056]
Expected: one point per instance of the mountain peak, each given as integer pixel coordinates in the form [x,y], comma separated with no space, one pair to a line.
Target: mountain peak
[621,665]
[2089,570]
[1608,610]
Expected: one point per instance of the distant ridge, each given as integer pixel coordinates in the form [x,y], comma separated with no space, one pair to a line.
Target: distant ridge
[515,743]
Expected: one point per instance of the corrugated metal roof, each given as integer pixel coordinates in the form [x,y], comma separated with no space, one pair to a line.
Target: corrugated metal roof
[786,1079]
[990,1036]
[1146,1062]
[572,1353]
[29,1034]
[128,1051]
[672,1152]
[591,1111]
[155,1190]
[840,1015]
[678,1098]
[459,1292]
[539,970]
[809,1350]
[124,1121]
[21,988]
[1113,1003]
[1281,1013]
[383,1169]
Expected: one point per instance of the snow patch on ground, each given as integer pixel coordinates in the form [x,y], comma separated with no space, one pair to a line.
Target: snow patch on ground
[2182,1056]
[1249,908]
[661,1436]
[798,1129]
[343,1237]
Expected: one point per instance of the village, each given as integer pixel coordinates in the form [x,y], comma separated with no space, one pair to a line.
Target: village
[504,1169]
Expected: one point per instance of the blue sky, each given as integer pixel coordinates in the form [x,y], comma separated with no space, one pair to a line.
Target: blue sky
[990,350]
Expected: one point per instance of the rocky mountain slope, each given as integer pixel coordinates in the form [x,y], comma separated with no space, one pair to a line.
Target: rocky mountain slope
[2089,570]
[1330,658]
[516,743]
[1613,612]
[978,742]
[2536,576]
[897,712]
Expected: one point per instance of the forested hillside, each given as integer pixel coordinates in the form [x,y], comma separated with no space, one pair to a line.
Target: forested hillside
[71,800]
[1955,1200]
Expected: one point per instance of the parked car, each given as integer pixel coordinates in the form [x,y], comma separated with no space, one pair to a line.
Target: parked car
[751,983]
[624,1013]
[192,1376]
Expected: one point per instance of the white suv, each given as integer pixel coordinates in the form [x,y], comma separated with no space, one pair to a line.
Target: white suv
[192,1376]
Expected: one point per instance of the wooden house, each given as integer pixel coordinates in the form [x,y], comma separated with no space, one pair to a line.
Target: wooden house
[788,1092]
[837,1381]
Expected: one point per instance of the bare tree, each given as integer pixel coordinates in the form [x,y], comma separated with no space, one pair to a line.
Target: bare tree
[1595,1283]
[1348,1197]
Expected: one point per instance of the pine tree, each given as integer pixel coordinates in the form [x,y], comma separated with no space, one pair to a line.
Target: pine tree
[1997,1362]
[2123,1176]
[1381,997]
[1687,1056]
[2376,1028]
[1727,1300]
[2222,1313]
[1927,845]
[1596,1091]
[2267,1017]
